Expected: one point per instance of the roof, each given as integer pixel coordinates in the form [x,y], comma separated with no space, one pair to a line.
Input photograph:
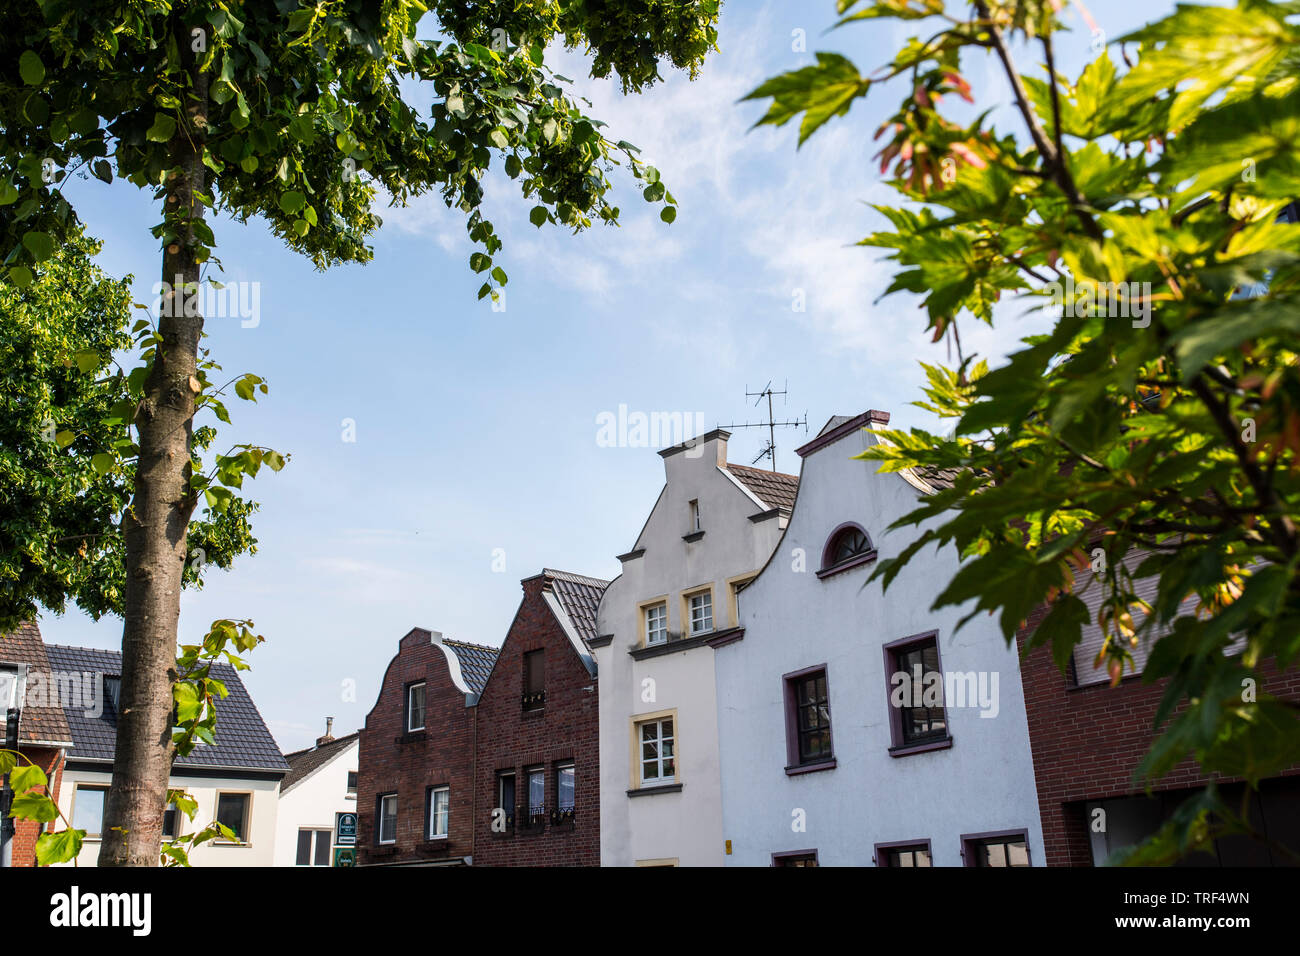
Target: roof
[476,662]
[44,724]
[243,742]
[937,478]
[774,489]
[579,596]
[303,763]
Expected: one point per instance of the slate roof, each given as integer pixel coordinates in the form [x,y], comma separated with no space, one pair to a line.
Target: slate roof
[303,762]
[243,742]
[938,478]
[45,724]
[475,662]
[774,489]
[578,595]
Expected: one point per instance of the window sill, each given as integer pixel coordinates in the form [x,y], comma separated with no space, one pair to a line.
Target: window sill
[810,767]
[854,562]
[436,839]
[652,791]
[672,647]
[412,737]
[909,749]
[536,712]
[693,536]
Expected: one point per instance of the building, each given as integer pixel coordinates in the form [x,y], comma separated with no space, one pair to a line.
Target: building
[416,799]
[1088,739]
[538,754]
[860,728]
[29,702]
[321,784]
[713,527]
[235,782]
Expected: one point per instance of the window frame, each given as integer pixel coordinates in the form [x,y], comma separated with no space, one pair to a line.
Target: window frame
[789,687]
[533,699]
[639,781]
[783,858]
[694,521]
[98,787]
[244,837]
[424,707]
[380,799]
[353,780]
[899,745]
[430,804]
[882,851]
[971,842]
[688,616]
[513,807]
[828,567]
[645,623]
[536,812]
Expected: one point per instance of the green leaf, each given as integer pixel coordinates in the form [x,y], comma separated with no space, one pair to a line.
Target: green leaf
[538,216]
[162,130]
[668,213]
[20,276]
[30,68]
[60,847]
[33,806]
[103,170]
[26,777]
[479,261]
[102,463]
[39,244]
[819,92]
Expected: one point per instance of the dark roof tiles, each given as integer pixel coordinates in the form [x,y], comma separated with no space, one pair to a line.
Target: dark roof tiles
[475,662]
[579,595]
[45,724]
[774,489]
[302,763]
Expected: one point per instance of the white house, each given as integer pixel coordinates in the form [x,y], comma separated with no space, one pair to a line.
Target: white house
[712,528]
[237,781]
[832,752]
[320,785]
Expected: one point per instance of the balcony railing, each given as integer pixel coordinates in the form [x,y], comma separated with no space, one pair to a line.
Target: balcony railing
[535,700]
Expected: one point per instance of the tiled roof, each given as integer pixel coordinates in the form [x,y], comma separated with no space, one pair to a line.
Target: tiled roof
[475,662]
[243,742]
[24,646]
[303,762]
[578,595]
[774,489]
[938,478]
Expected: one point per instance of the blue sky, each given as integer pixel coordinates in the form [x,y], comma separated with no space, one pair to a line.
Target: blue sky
[476,431]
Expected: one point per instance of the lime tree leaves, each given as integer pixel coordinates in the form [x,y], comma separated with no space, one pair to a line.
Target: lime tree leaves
[32,802]
[1149,204]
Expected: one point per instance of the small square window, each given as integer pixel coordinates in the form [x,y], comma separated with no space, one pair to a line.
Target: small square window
[656,624]
[701,608]
[352,783]
[415,695]
[232,812]
[386,831]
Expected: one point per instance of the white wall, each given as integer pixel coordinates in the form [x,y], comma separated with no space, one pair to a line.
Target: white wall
[794,620]
[258,851]
[685,826]
[312,802]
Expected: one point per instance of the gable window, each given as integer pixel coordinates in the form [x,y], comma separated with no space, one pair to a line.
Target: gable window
[352,783]
[657,745]
[415,707]
[232,811]
[317,841]
[534,680]
[1010,848]
[695,515]
[88,810]
[700,606]
[917,718]
[386,831]
[656,623]
[439,812]
[808,721]
[506,796]
[847,547]
[903,855]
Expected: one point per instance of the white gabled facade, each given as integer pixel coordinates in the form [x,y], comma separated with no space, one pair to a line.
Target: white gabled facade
[956,782]
[711,529]
[321,783]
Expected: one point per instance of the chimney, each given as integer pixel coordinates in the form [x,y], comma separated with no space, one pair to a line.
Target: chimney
[329,727]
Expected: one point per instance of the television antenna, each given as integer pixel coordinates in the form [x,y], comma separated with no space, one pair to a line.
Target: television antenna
[769,449]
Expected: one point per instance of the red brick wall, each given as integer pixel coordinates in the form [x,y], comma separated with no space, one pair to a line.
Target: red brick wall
[566,728]
[1086,743]
[26,831]
[391,760]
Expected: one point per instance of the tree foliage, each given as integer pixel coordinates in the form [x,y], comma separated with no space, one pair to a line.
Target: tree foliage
[1145,202]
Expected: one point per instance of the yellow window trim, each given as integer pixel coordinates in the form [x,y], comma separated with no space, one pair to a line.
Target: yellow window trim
[640,613]
[634,736]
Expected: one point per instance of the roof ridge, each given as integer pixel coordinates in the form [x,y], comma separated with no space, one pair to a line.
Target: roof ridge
[762,471]
[576,577]
[328,743]
[481,647]
[80,647]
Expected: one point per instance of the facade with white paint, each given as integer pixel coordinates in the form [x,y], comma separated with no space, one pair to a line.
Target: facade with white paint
[321,783]
[711,529]
[827,755]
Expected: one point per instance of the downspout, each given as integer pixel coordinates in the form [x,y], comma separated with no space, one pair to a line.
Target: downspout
[473,795]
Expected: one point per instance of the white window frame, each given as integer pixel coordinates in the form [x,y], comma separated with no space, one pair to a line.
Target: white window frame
[560,769]
[379,823]
[424,704]
[529,773]
[433,832]
[662,629]
[245,838]
[703,596]
[695,515]
[91,787]
[660,738]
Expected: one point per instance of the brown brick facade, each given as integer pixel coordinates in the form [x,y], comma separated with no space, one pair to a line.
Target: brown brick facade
[565,728]
[1087,741]
[26,831]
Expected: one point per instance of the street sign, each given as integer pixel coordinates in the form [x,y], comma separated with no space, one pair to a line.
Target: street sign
[345,829]
[345,856]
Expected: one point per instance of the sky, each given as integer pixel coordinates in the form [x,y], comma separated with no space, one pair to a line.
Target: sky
[441,451]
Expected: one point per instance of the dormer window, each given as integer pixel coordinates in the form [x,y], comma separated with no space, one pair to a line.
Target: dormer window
[847,547]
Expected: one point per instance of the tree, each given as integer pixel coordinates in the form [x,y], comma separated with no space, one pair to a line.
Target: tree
[1146,201]
[293,111]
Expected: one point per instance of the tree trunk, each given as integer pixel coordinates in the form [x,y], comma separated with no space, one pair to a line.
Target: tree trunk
[154,526]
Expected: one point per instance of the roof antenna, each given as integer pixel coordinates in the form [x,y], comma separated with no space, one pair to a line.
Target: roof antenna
[769,449]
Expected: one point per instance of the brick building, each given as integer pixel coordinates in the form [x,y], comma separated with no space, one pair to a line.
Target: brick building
[415,794]
[1087,740]
[538,746]
[43,734]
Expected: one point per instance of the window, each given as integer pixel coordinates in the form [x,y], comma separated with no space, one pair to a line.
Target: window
[808,719]
[917,717]
[169,822]
[352,783]
[506,795]
[656,742]
[996,849]
[656,624]
[534,680]
[88,810]
[536,795]
[695,516]
[701,608]
[847,547]
[386,832]
[415,708]
[232,811]
[795,858]
[903,855]
[439,812]
[564,793]
[320,840]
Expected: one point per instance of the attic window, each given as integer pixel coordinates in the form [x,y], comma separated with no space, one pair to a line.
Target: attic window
[695,516]
[113,690]
[847,547]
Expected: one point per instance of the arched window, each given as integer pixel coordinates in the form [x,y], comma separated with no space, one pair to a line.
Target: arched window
[848,546]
